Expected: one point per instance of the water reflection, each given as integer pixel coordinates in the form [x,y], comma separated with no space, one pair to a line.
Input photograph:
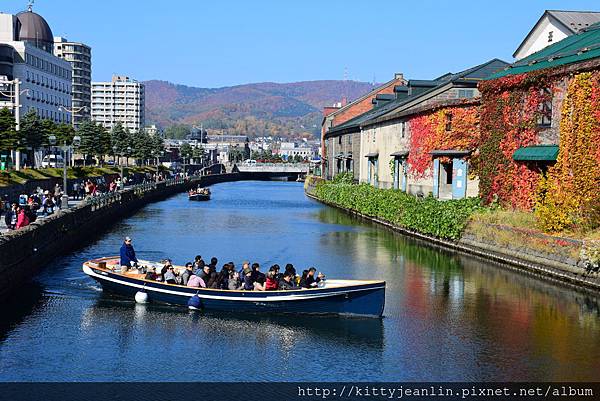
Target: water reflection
[447,316]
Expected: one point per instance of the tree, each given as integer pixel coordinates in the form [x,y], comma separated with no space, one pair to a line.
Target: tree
[104,145]
[32,133]
[186,151]
[198,154]
[143,146]
[158,144]
[9,138]
[118,140]
[91,144]
[178,131]
[63,133]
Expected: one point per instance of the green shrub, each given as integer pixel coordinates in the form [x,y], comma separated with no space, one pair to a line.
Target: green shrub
[443,219]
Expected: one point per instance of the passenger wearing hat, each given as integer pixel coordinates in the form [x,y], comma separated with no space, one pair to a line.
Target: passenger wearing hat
[247,279]
[128,258]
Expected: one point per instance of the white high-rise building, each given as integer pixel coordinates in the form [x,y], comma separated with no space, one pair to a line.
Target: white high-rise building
[79,55]
[26,55]
[120,100]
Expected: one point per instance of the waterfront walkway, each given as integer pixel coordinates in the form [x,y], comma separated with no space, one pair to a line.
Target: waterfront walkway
[40,214]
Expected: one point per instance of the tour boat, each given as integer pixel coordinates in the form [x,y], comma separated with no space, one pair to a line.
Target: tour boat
[331,297]
[199,197]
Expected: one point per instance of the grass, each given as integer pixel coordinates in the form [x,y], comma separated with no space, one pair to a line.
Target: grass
[8,178]
[525,221]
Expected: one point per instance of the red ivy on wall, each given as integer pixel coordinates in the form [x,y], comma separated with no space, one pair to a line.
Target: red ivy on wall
[509,113]
[428,132]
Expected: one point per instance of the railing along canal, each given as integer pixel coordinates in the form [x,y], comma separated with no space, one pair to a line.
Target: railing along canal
[102,200]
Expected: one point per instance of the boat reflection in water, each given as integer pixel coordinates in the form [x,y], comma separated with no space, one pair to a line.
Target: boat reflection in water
[212,338]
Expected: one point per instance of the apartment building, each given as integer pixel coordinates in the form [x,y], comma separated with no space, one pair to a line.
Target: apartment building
[122,100]
[79,55]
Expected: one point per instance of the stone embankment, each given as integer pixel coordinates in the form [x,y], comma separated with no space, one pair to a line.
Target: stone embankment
[23,252]
[552,257]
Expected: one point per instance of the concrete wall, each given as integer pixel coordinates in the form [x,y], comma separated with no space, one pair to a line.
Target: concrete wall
[384,139]
[346,144]
[24,252]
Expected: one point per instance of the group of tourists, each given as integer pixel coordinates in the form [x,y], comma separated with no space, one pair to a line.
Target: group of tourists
[199,191]
[199,274]
[21,213]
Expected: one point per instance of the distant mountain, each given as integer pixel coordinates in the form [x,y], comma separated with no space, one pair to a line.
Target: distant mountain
[254,109]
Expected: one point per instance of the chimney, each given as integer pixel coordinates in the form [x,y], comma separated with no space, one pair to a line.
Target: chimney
[344,101]
[399,76]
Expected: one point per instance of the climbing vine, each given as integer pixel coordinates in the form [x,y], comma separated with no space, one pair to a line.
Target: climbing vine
[569,195]
[509,115]
[455,128]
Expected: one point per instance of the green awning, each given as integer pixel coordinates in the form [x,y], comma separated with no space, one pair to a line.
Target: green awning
[536,153]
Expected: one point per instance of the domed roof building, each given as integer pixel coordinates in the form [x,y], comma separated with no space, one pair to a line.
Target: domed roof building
[34,29]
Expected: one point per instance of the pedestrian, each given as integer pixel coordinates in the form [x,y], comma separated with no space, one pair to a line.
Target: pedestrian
[75,190]
[47,204]
[10,218]
[22,218]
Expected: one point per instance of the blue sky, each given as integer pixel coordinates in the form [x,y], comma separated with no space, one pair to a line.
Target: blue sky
[223,43]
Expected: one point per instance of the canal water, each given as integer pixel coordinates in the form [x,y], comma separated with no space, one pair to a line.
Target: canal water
[447,316]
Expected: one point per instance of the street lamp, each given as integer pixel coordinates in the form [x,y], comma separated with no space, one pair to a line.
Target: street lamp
[16,95]
[127,155]
[65,148]
[158,156]
[74,110]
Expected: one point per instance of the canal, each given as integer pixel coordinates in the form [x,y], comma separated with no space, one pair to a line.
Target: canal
[447,316]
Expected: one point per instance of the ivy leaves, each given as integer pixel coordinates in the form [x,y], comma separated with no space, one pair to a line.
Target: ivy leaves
[442,219]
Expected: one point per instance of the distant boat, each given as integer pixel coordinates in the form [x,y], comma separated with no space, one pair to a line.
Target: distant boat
[199,197]
[332,297]
[200,194]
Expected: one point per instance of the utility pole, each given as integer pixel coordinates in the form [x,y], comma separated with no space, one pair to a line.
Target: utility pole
[17,121]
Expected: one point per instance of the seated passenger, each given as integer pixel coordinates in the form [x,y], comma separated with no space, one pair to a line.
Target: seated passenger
[302,283]
[257,275]
[287,282]
[276,269]
[212,279]
[245,265]
[248,283]
[289,268]
[198,264]
[170,276]
[234,283]
[150,274]
[203,273]
[165,268]
[272,283]
[221,281]
[258,278]
[185,276]
[213,264]
[196,282]
[308,280]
